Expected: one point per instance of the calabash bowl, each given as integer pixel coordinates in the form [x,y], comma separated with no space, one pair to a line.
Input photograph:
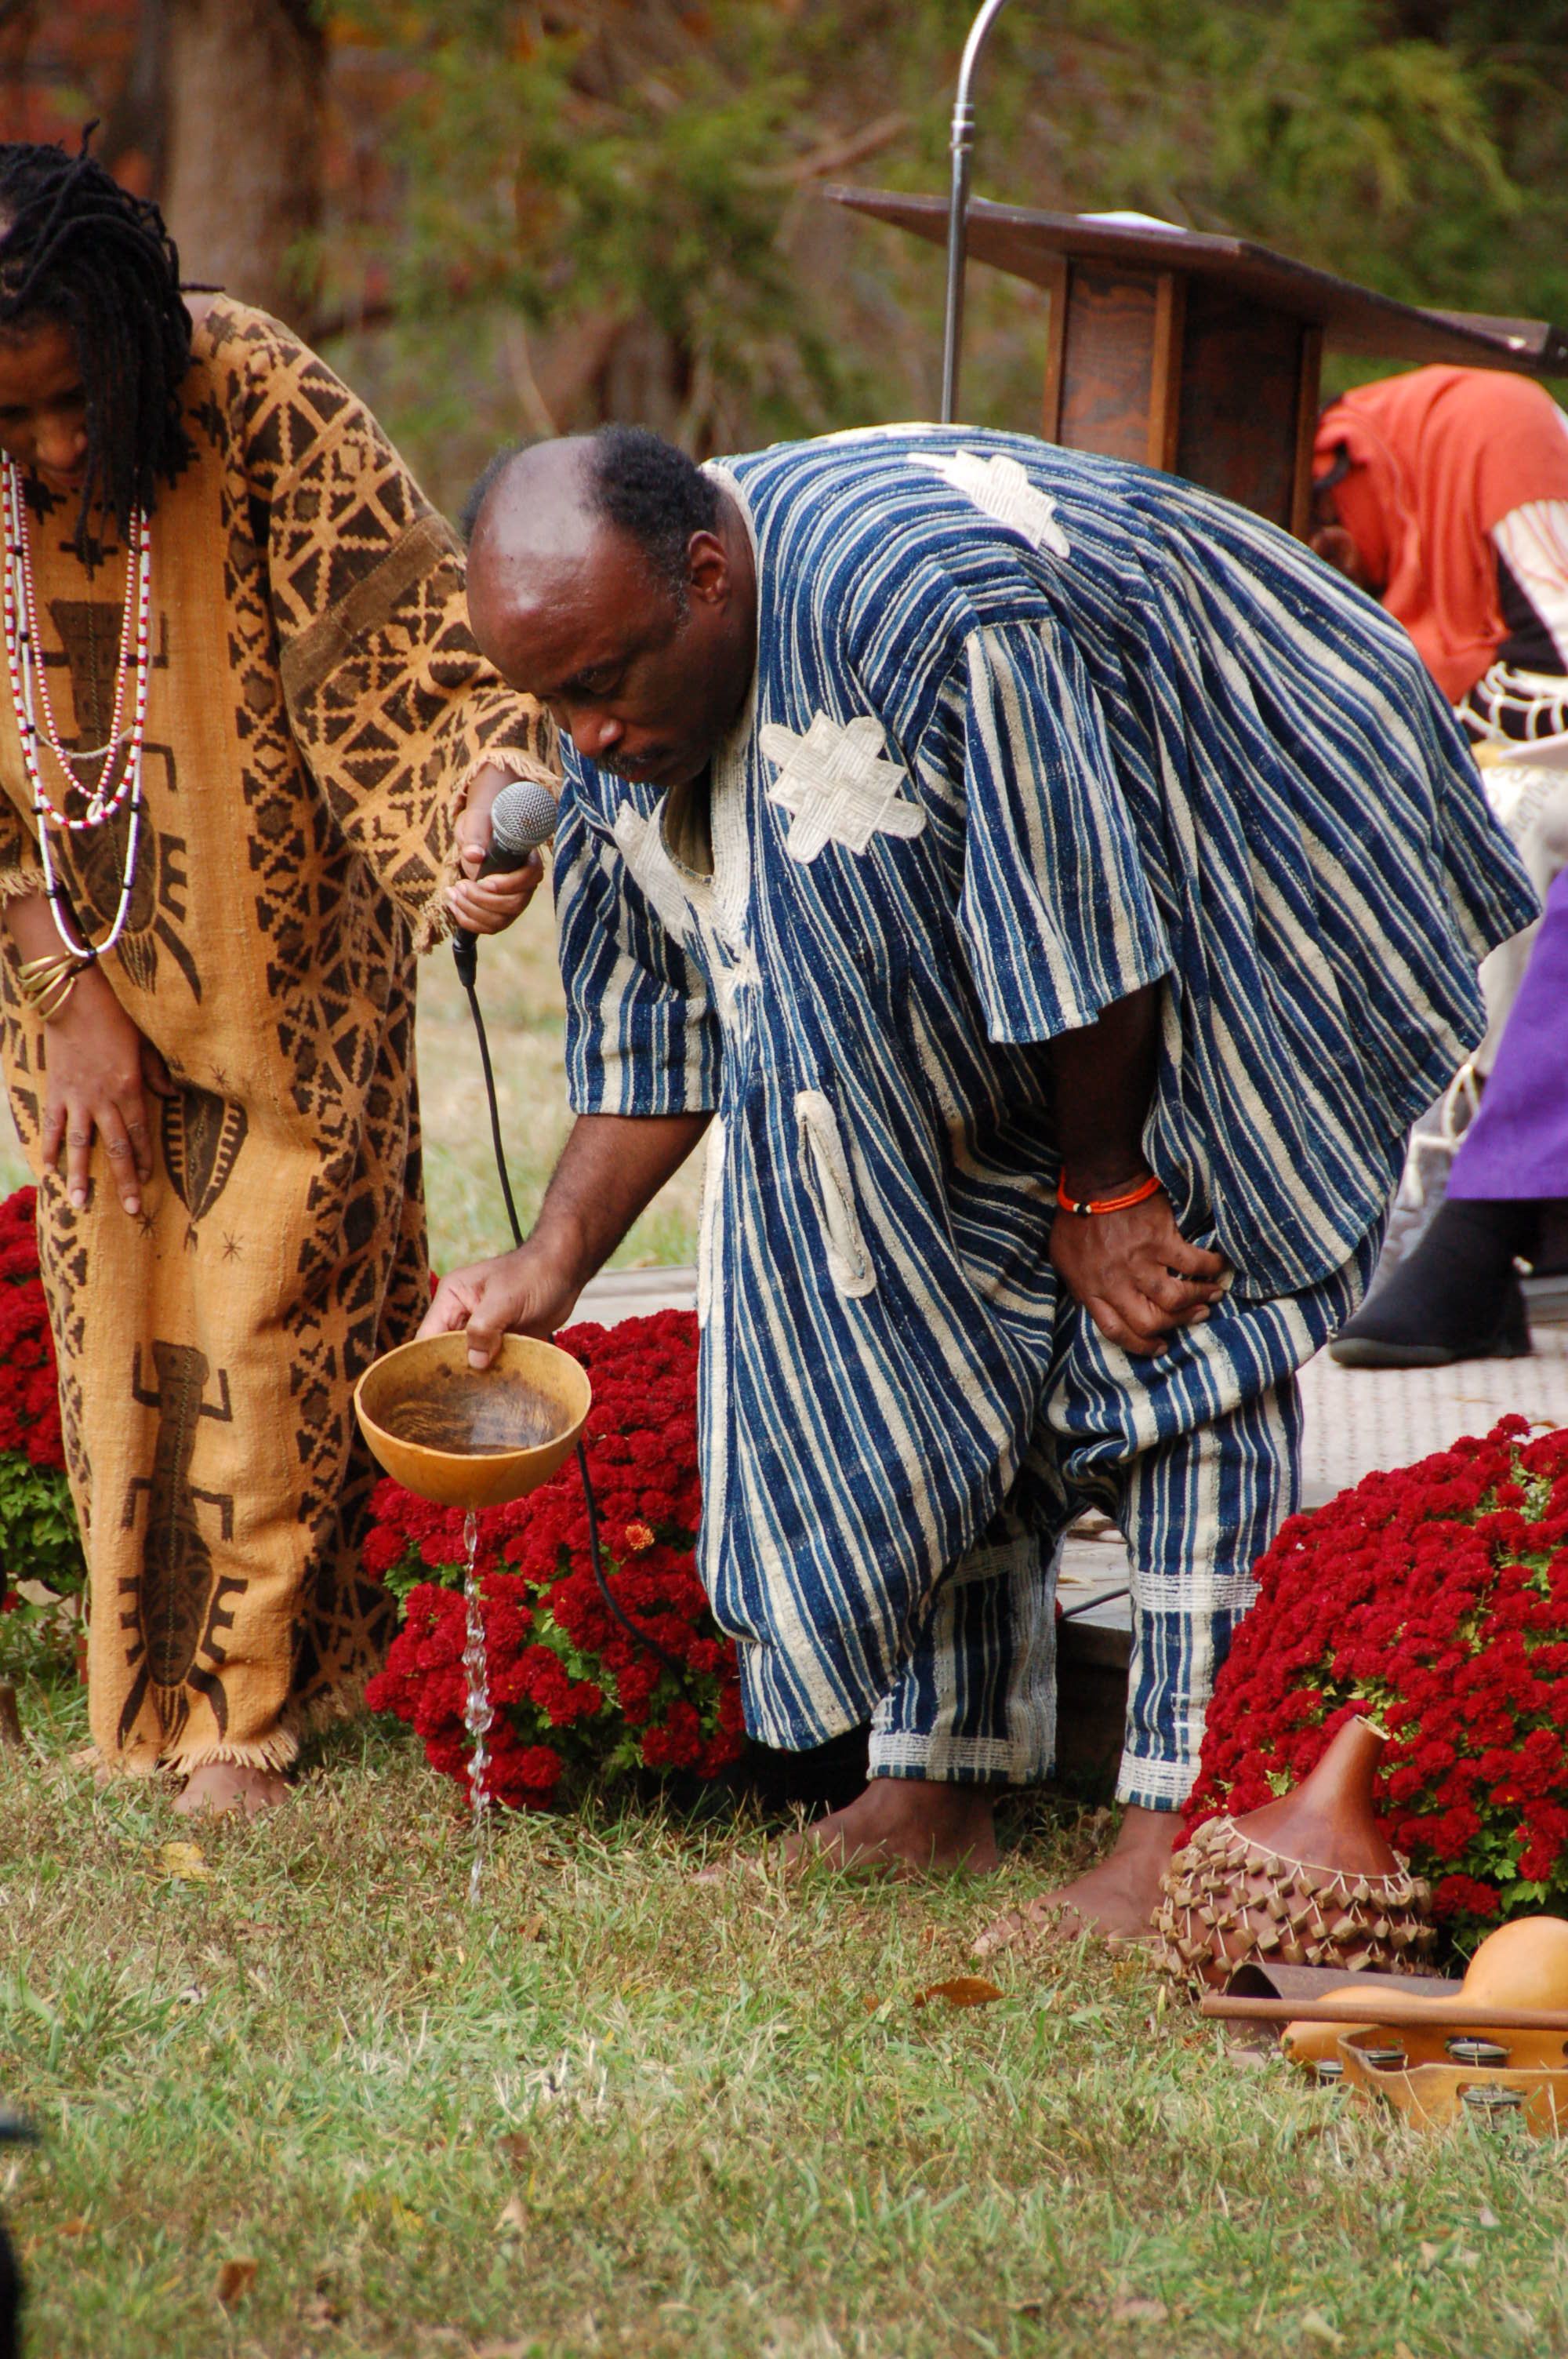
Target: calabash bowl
[472,1437]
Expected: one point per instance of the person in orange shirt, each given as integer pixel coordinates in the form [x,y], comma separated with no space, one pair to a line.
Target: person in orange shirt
[1444,494]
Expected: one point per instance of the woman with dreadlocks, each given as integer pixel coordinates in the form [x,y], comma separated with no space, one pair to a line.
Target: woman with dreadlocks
[246,763]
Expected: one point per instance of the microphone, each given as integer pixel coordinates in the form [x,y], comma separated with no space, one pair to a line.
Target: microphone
[522,818]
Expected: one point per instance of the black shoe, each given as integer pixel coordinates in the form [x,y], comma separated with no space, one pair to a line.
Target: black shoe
[1456,1297]
[1550,1258]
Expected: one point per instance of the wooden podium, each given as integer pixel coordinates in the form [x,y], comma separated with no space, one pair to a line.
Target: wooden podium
[1199,353]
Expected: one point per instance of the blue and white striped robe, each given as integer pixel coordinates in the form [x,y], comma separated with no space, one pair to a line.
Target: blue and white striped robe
[1029,729]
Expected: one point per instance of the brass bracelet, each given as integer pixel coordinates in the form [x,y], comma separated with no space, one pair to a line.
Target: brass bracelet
[48,982]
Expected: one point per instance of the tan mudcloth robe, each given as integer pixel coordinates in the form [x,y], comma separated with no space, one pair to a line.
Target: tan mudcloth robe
[317,708]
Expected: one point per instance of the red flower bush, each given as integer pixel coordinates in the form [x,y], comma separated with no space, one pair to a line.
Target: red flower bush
[575,1697]
[29,1395]
[1434,1599]
[38,1538]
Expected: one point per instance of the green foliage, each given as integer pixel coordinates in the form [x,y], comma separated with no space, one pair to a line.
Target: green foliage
[639,185]
[586,193]
[38,1543]
[38,1538]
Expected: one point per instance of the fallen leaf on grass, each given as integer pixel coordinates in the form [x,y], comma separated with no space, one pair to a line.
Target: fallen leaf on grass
[1138,2308]
[1322,2330]
[75,2226]
[516,2147]
[962,1990]
[513,2220]
[185,1860]
[1486,2218]
[1429,2256]
[235,2279]
[532,1928]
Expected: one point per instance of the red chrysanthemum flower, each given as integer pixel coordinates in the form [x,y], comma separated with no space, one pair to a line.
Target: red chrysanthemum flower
[1434,1599]
[38,1524]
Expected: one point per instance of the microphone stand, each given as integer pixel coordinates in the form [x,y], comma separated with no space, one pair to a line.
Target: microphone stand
[961,143]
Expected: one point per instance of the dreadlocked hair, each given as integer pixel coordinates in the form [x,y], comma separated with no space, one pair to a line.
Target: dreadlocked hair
[78,248]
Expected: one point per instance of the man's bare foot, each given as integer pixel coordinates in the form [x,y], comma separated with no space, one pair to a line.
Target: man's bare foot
[1117,1897]
[219,1787]
[900,1824]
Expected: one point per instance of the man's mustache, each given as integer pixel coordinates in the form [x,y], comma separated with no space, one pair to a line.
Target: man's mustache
[624,767]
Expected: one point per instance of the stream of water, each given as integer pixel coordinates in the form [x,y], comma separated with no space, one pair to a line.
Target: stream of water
[478,1714]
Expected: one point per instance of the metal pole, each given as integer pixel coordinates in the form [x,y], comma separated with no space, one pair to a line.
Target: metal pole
[961,143]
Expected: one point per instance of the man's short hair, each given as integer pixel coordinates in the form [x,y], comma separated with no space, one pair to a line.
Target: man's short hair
[653,492]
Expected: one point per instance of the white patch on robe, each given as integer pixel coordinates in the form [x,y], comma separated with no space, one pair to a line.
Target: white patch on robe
[837,785]
[1001,488]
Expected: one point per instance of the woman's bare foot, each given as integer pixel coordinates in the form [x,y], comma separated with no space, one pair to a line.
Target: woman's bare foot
[219,1787]
[900,1824]
[1117,1897]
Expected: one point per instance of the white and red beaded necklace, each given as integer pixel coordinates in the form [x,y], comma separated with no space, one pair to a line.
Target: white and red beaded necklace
[30,700]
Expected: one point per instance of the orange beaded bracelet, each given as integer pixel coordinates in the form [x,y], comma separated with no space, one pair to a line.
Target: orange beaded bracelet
[1139,1195]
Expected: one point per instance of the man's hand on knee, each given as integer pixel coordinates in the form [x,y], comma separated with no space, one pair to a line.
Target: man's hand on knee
[1135,1274]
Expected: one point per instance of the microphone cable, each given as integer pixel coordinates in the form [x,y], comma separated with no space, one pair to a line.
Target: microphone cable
[465,957]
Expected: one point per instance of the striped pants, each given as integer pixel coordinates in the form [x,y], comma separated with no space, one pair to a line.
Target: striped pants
[1197,1456]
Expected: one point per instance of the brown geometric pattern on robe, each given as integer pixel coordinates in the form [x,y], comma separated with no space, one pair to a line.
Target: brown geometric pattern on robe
[317,706]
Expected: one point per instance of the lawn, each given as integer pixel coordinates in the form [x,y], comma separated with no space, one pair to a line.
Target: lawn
[619,2110]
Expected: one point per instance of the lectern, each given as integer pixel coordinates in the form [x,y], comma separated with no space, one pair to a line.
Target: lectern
[1201,353]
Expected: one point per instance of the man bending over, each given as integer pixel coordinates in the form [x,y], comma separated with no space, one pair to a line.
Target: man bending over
[1053,892]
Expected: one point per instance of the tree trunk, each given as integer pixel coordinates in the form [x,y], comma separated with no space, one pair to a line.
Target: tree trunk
[243,196]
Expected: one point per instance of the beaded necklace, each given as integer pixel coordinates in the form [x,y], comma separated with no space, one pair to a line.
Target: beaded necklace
[30,703]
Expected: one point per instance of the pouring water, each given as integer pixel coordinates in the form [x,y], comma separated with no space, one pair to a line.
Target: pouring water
[473,1440]
[478,1714]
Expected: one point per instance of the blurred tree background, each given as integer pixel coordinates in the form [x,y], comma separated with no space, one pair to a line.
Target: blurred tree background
[503,219]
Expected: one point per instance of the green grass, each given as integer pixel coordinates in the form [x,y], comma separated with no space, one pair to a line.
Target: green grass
[615,2110]
[520,992]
